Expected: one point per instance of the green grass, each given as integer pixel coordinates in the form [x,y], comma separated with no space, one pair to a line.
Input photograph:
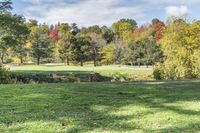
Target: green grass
[103,70]
[101,107]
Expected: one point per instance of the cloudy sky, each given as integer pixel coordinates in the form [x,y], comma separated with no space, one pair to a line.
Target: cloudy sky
[104,12]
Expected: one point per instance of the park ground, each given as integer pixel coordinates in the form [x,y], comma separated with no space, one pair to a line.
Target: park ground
[104,70]
[154,106]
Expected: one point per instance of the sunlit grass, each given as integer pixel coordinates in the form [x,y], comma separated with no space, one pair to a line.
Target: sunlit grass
[104,70]
[101,107]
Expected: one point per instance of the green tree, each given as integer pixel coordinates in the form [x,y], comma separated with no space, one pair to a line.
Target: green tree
[107,34]
[41,43]
[123,26]
[81,48]
[97,42]
[108,53]
[22,35]
[65,47]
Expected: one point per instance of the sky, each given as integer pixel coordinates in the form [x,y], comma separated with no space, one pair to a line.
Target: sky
[104,12]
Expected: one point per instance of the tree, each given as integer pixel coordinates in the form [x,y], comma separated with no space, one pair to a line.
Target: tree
[22,35]
[107,34]
[143,52]
[13,31]
[81,48]
[97,42]
[180,44]
[65,46]
[124,26]
[53,33]
[41,43]
[64,28]
[155,21]
[108,53]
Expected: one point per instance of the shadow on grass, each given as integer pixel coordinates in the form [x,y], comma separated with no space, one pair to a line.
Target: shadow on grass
[100,107]
[57,76]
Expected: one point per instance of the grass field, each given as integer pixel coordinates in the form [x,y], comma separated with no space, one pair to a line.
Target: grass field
[101,107]
[104,70]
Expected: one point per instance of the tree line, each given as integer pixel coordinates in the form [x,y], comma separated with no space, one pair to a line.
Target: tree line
[172,46]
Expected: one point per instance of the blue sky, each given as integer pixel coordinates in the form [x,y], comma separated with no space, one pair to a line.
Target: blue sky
[104,12]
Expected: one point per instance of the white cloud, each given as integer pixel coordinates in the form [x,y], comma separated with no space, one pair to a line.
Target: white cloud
[103,12]
[179,2]
[176,11]
[84,12]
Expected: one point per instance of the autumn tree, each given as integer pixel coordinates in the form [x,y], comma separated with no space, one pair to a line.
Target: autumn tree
[180,44]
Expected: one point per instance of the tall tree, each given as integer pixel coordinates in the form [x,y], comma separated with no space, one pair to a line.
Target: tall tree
[22,35]
[81,48]
[180,44]
[65,46]
[97,42]
[123,26]
[41,43]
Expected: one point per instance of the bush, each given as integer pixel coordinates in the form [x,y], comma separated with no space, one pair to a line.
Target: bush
[157,73]
[4,75]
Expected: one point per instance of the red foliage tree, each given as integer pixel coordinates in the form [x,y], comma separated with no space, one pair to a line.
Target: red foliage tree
[54,34]
[158,28]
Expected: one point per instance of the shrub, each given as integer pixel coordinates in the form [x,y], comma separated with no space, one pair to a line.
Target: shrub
[4,75]
[158,72]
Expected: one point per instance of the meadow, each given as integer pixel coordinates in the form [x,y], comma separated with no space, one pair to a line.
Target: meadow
[103,70]
[171,106]
[58,73]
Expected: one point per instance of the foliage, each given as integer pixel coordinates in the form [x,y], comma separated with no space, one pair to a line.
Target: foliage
[143,52]
[81,48]
[4,75]
[180,44]
[41,43]
[97,42]
[174,44]
[65,47]
[108,54]
[123,26]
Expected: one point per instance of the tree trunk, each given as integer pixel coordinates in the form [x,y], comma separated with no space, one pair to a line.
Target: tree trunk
[131,63]
[139,64]
[95,62]
[21,60]
[2,60]
[68,61]
[81,62]
[38,61]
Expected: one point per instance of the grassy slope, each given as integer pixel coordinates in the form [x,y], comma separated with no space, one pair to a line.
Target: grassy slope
[104,70]
[101,107]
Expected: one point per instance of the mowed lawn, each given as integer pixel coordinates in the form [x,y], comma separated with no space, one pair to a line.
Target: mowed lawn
[103,70]
[101,107]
